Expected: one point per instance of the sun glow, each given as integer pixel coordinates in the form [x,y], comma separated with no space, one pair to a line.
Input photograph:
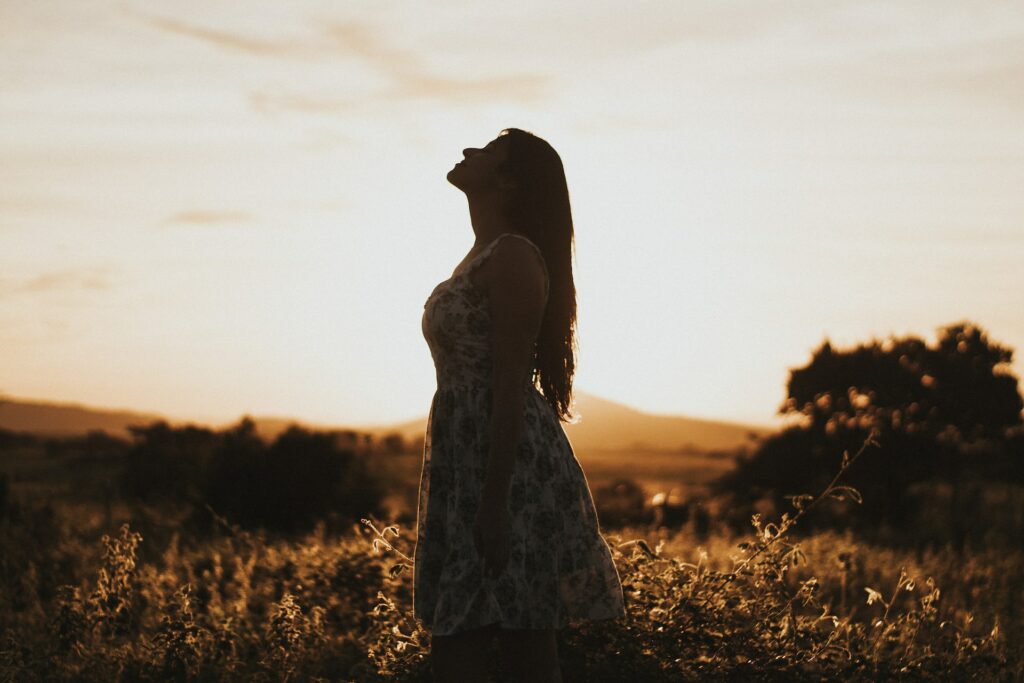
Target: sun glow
[204,213]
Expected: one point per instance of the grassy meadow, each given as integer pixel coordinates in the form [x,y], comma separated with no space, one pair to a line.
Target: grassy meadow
[96,585]
[687,472]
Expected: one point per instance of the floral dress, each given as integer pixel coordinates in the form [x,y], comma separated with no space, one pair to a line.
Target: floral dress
[559,565]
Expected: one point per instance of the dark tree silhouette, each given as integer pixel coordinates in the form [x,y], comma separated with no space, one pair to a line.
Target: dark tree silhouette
[302,477]
[289,485]
[945,412]
[167,463]
[960,389]
[393,443]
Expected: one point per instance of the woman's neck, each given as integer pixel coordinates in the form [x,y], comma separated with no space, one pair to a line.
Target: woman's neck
[487,219]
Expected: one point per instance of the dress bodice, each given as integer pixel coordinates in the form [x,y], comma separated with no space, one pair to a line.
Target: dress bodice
[456,325]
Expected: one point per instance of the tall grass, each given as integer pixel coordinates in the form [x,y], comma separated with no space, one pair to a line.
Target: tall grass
[763,612]
[245,606]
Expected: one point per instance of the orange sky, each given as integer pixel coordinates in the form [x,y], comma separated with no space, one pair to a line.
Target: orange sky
[206,212]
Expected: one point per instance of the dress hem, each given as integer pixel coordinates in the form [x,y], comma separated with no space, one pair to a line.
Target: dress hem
[567,623]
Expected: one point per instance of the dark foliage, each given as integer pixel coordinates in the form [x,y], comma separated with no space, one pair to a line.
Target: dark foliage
[299,479]
[620,502]
[946,414]
[168,463]
[10,439]
[770,611]
[959,390]
[288,485]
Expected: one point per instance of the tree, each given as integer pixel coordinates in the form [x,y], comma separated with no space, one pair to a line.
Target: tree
[290,484]
[167,463]
[961,389]
[393,443]
[942,412]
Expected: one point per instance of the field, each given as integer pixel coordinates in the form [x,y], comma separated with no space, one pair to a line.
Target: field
[85,598]
[652,470]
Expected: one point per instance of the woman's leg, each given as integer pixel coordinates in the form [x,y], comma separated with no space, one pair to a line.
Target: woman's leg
[530,655]
[461,657]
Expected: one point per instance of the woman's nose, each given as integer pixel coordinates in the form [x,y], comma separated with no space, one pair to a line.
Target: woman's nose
[469,151]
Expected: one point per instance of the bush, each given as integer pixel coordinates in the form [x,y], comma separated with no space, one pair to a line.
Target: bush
[168,464]
[239,609]
[286,486]
[760,615]
[620,502]
[244,607]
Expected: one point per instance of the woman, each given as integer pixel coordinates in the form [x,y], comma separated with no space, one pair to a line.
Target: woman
[508,542]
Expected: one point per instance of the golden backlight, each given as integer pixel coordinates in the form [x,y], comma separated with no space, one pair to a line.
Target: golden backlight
[207,212]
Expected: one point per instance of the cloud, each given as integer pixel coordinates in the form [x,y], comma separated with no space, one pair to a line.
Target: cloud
[208,217]
[413,86]
[96,278]
[412,79]
[409,76]
[226,39]
[525,88]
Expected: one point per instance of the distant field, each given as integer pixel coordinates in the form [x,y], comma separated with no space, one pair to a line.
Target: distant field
[35,474]
[32,472]
[653,470]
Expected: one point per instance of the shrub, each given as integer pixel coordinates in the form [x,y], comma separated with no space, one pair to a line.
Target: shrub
[288,485]
[621,501]
[762,616]
[242,606]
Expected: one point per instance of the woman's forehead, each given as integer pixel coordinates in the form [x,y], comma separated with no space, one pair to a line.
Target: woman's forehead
[497,143]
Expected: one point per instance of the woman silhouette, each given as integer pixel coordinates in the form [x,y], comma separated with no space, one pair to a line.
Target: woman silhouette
[508,542]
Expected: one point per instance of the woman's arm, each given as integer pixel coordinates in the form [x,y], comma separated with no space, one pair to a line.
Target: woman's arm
[514,281]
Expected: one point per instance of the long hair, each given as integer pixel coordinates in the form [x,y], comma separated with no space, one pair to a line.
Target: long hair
[538,206]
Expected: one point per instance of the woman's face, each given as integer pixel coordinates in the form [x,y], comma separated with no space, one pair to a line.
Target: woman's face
[478,171]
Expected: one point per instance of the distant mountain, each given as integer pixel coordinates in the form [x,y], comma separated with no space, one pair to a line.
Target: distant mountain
[66,419]
[603,425]
[607,425]
[49,418]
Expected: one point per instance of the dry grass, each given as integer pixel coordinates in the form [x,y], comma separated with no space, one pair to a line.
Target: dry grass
[243,605]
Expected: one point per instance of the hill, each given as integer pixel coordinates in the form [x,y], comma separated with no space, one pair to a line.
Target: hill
[49,418]
[603,425]
[607,425]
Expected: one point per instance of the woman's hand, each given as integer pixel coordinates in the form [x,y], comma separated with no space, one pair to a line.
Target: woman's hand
[491,534]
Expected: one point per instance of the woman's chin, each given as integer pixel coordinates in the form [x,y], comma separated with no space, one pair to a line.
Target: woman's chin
[453,178]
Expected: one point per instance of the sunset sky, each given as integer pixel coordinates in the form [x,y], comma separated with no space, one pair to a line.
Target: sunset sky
[212,208]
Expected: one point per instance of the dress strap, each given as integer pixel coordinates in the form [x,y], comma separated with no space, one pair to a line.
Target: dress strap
[490,247]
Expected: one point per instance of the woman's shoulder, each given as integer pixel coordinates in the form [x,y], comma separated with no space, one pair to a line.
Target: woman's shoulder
[516,261]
